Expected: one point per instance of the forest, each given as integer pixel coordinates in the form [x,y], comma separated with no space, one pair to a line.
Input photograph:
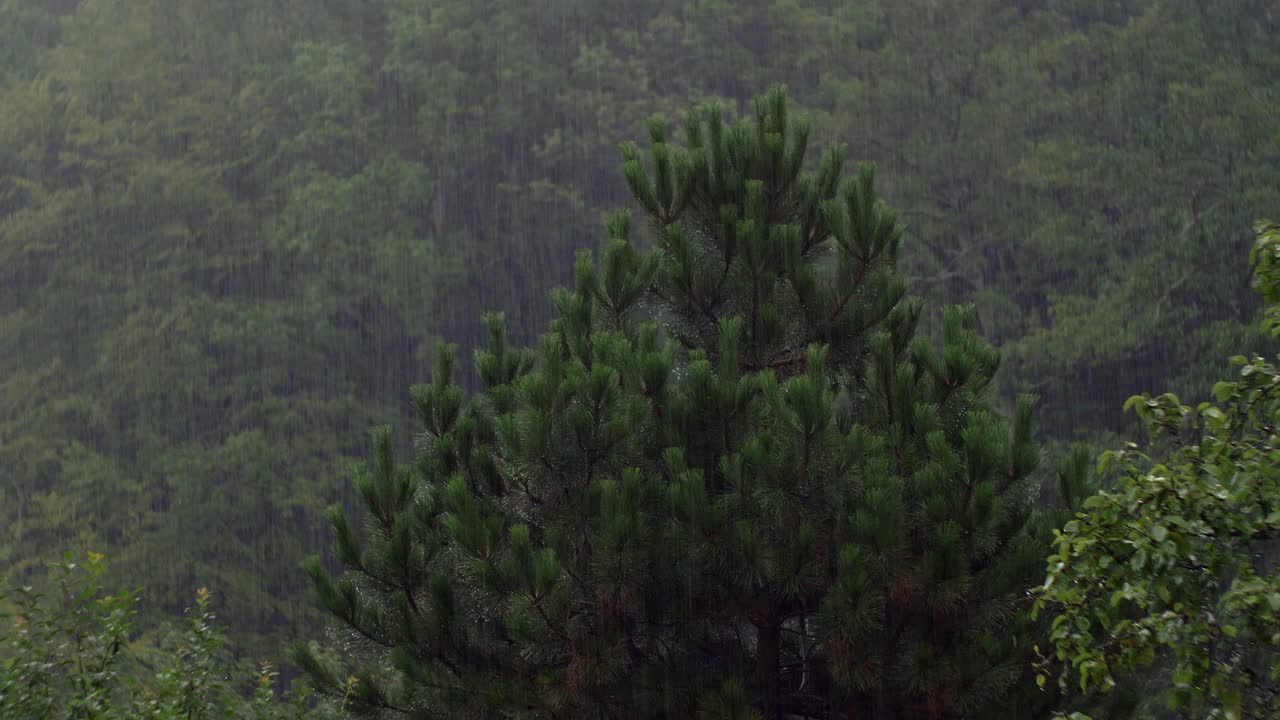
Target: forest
[605,359]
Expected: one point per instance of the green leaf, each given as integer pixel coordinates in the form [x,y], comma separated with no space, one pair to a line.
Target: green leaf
[1138,561]
[1232,702]
[1093,502]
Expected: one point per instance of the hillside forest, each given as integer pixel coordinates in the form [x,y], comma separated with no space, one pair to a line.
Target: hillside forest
[877,359]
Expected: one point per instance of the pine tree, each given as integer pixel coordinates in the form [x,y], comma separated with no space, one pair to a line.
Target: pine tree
[730,482]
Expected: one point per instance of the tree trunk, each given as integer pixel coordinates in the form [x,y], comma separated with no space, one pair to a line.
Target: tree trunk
[769,633]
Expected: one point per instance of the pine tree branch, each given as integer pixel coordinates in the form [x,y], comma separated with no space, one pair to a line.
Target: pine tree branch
[724,273]
[552,625]
[816,235]
[857,280]
[708,313]
[777,362]
[797,355]
[755,316]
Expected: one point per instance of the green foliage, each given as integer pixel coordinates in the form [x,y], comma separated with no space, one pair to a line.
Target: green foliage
[194,227]
[232,231]
[1265,258]
[1143,156]
[73,654]
[1180,556]
[730,482]
[62,661]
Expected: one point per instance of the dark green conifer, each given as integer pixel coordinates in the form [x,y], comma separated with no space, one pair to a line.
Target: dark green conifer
[730,482]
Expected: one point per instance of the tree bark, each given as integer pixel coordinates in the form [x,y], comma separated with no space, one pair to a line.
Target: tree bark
[769,632]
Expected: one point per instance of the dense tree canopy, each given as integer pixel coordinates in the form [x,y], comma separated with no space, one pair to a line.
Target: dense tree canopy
[233,231]
[1181,558]
[730,482]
